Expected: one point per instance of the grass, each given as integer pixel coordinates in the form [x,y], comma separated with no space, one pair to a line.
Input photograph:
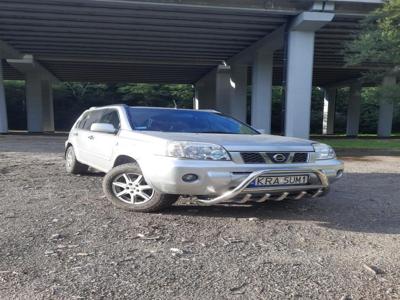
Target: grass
[356,143]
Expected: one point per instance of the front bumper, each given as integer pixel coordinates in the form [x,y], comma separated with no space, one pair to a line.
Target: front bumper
[318,187]
[229,180]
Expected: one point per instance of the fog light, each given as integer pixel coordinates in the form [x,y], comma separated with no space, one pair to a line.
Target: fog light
[190,177]
[339,174]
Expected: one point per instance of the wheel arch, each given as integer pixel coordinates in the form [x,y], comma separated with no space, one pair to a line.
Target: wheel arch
[123,159]
[69,144]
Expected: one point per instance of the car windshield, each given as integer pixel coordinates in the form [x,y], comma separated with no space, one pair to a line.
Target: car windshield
[179,120]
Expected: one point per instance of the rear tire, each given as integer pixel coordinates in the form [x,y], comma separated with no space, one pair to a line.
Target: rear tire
[126,188]
[72,165]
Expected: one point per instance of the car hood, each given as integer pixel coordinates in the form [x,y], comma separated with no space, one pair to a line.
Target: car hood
[239,142]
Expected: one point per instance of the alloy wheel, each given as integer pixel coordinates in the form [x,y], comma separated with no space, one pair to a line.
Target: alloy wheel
[132,188]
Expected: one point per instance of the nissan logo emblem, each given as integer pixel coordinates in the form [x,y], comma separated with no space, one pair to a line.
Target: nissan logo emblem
[279,157]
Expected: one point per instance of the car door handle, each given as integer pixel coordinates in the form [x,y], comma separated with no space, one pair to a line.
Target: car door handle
[91,137]
[75,134]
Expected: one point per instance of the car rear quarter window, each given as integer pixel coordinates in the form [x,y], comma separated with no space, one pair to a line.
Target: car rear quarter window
[81,121]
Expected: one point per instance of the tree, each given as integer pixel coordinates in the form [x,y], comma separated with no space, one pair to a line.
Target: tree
[378,46]
[169,95]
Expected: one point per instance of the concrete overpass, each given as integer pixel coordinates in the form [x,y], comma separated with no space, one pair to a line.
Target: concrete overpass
[219,46]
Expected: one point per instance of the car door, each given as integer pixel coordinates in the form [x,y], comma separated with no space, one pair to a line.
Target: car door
[103,144]
[84,137]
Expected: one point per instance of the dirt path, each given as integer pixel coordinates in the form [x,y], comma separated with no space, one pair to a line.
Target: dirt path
[61,239]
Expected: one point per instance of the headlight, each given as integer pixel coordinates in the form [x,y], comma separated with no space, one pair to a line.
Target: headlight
[324,151]
[194,150]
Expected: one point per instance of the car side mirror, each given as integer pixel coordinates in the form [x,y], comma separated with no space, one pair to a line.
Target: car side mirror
[103,127]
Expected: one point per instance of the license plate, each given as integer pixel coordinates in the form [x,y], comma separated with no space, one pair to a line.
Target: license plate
[280,180]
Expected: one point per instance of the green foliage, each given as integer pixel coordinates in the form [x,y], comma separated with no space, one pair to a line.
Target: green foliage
[169,95]
[378,42]
[16,107]
[72,98]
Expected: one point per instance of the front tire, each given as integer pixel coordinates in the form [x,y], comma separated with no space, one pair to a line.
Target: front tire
[126,188]
[72,165]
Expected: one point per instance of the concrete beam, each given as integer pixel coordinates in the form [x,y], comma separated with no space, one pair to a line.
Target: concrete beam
[7,51]
[386,108]
[344,83]
[271,42]
[27,64]
[311,21]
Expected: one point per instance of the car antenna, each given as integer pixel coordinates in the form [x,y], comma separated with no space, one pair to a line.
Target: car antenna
[175,105]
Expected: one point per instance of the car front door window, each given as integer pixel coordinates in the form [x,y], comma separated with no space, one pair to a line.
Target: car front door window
[111,117]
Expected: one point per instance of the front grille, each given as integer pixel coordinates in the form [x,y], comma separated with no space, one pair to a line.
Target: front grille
[252,158]
[273,157]
[269,157]
[300,157]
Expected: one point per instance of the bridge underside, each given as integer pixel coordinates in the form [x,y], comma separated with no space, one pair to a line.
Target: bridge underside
[175,41]
[163,41]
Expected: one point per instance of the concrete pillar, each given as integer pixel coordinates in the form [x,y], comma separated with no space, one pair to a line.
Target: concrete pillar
[39,104]
[238,96]
[205,92]
[328,123]
[48,106]
[386,110]
[261,91]
[353,110]
[3,105]
[196,104]
[299,71]
[299,83]
[223,89]
[213,90]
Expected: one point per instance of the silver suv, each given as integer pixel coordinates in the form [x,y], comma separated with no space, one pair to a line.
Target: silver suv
[152,156]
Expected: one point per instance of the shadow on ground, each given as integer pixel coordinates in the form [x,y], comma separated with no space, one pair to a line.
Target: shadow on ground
[367,203]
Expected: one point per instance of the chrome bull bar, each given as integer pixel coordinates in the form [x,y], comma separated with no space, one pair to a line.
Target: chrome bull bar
[284,190]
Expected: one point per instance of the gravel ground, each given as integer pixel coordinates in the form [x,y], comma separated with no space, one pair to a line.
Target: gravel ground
[61,239]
